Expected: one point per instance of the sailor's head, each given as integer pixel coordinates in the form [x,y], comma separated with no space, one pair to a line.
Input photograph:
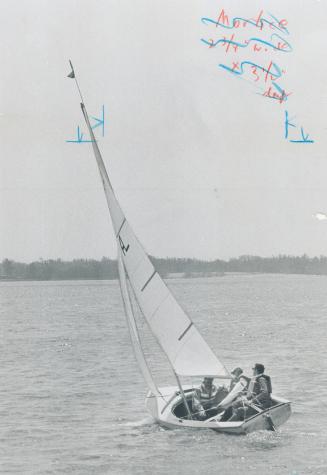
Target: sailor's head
[207,382]
[236,373]
[258,368]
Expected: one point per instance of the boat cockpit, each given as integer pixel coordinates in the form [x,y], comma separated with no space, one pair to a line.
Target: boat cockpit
[179,409]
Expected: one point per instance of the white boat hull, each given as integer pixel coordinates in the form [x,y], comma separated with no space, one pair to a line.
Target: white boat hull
[162,410]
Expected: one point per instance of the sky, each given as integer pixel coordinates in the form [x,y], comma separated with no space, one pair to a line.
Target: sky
[197,154]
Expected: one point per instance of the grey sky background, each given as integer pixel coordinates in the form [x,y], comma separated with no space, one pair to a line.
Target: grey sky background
[197,157]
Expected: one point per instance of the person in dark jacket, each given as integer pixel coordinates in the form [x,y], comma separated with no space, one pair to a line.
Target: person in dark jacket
[257,396]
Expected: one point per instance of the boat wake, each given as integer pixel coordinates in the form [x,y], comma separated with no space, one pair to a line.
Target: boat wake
[146,421]
[265,440]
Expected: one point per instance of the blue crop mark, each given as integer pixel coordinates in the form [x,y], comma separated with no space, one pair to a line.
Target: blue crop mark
[99,123]
[304,138]
[287,124]
[79,138]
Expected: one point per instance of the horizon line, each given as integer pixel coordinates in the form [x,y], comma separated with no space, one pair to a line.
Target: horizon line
[241,256]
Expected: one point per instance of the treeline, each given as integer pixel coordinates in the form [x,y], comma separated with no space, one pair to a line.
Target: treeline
[90,269]
[87,269]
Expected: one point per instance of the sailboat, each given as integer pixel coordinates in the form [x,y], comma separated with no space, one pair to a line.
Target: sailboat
[187,352]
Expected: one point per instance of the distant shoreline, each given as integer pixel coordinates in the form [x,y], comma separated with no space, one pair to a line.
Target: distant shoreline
[172,276]
[106,269]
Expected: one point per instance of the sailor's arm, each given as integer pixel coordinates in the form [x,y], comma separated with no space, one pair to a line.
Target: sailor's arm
[196,403]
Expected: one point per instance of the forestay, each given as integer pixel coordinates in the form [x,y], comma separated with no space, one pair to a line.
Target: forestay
[185,348]
[138,351]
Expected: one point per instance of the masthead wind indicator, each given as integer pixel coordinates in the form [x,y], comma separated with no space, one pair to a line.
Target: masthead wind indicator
[72,73]
[73,76]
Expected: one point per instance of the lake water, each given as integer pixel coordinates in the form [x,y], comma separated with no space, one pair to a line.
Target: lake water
[72,397]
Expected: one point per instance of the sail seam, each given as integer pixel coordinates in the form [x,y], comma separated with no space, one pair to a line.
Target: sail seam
[185,331]
[149,280]
[152,315]
[122,224]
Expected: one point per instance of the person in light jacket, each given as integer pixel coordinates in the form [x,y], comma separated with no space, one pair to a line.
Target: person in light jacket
[206,398]
[236,374]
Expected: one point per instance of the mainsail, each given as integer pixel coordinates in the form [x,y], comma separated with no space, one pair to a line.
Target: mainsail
[177,335]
